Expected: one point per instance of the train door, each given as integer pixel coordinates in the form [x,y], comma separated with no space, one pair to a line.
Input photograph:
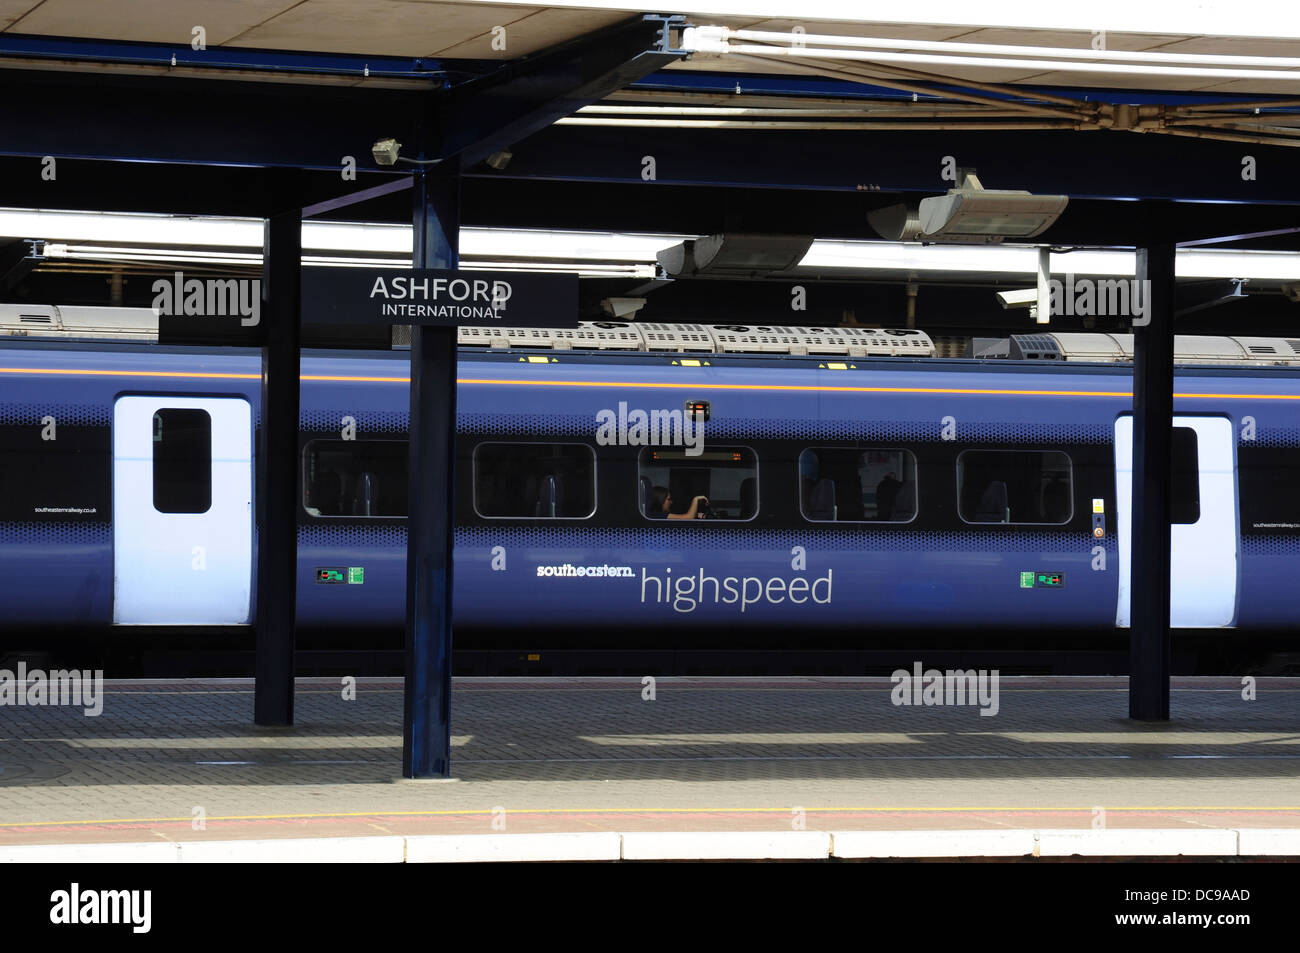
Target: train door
[1204,558]
[182,510]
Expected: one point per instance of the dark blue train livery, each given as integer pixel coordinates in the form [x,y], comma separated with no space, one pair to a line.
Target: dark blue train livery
[859,494]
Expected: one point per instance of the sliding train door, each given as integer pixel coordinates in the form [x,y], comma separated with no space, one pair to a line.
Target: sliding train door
[182,510]
[1203,491]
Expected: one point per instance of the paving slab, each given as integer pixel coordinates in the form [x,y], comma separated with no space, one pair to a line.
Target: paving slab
[180,762]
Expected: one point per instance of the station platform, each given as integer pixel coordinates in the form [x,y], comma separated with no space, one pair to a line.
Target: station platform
[589,768]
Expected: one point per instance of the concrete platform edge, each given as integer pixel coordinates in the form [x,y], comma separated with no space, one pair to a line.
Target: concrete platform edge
[680,845]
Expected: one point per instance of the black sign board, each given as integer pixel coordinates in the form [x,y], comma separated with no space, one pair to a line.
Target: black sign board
[438,297]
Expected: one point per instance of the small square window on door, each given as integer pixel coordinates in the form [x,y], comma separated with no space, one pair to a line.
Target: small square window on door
[182,460]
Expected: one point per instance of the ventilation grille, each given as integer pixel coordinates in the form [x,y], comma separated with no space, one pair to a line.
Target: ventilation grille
[948,345]
[707,339]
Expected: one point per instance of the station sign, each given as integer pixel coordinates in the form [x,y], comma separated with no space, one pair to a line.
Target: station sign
[438,297]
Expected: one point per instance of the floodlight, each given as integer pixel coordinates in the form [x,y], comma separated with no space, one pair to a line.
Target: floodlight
[1019,298]
[987,216]
[385,151]
[970,214]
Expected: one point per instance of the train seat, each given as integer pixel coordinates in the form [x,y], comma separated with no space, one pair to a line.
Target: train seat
[549,496]
[993,504]
[366,497]
[748,498]
[905,501]
[821,501]
[1056,502]
[325,494]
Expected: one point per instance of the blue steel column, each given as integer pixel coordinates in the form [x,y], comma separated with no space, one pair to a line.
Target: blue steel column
[277,470]
[426,739]
[1153,410]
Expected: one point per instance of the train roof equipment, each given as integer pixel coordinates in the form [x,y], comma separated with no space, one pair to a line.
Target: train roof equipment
[56,322]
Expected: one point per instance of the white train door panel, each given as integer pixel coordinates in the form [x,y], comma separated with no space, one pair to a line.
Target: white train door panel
[182,510]
[1204,558]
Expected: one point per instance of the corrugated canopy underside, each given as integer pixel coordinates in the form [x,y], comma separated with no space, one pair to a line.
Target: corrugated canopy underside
[423,28]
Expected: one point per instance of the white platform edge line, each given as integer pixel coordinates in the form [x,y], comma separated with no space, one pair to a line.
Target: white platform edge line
[683,845]
[134,852]
[1010,842]
[469,848]
[1138,842]
[726,845]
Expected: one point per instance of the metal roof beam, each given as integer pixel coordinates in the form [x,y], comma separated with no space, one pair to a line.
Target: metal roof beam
[17,261]
[57,52]
[491,114]
[355,198]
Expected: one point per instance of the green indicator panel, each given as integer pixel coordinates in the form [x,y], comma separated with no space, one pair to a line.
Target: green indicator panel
[331,576]
[1042,580]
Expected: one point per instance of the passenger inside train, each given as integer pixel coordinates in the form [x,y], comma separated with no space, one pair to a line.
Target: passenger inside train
[661,502]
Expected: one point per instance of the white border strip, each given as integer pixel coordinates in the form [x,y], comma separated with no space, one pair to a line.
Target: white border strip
[1137,843]
[296,850]
[991,843]
[727,845]
[1253,842]
[459,848]
[155,852]
[681,845]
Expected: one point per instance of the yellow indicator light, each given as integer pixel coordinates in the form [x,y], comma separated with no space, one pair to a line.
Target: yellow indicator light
[533,359]
[690,362]
[838,367]
[533,657]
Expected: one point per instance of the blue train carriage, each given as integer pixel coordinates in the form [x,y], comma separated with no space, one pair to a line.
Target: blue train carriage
[854,481]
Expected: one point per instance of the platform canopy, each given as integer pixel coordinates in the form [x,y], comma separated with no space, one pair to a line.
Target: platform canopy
[428,29]
[1194,56]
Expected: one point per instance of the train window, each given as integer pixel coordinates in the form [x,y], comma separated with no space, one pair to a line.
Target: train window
[727,476]
[365,478]
[64,479]
[857,486]
[1014,486]
[182,461]
[1185,478]
[534,480]
[1267,477]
